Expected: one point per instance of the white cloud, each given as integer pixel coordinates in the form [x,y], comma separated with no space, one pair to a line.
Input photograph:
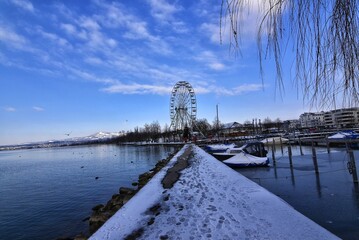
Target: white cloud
[239,90]
[217,66]
[38,109]
[210,60]
[94,60]
[53,37]
[24,4]
[162,10]
[136,88]
[248,88]
[89,24]
[115,16]
[10,37]
[9,109]
[69,28]
[212,30]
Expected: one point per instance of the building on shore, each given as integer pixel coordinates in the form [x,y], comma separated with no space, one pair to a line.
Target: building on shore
[338,118]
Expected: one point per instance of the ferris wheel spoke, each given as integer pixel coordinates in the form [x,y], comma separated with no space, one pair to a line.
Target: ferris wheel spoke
[182,106]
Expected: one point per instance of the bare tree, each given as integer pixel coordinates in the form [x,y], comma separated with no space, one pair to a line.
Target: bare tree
[325,38]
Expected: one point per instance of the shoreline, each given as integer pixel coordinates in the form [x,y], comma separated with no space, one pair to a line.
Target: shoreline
[102,212]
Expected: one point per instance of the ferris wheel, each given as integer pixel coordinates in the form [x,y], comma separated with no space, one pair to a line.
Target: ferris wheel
[183,106]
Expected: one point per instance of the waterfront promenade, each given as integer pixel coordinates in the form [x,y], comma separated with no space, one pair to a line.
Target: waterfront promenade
[197,197]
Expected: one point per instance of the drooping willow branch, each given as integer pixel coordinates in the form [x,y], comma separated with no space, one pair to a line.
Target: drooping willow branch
[325,41]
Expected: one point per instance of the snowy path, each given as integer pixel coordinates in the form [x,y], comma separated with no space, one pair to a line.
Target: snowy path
[209,201]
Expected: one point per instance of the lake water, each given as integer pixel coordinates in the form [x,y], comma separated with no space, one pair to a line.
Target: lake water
[46,193]
[329,198]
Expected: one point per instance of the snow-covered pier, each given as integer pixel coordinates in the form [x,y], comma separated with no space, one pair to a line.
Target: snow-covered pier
[197,197]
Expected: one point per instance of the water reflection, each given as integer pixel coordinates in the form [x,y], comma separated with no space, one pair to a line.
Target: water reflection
[47,193]
[329,198]
[319,189]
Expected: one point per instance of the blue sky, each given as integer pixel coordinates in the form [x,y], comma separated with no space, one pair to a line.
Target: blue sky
[88,66]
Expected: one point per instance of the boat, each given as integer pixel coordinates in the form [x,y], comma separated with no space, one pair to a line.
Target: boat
[275,140]
[349,134]
[347,138]
[217,148]
[228,153]
[252,154]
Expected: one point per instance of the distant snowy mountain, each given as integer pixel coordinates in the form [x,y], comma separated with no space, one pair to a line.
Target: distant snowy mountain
[94,138]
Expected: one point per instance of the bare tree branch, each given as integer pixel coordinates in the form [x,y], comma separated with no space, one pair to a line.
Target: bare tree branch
[325,39]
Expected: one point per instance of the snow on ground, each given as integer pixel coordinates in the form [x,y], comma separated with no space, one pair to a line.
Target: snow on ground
[209,201]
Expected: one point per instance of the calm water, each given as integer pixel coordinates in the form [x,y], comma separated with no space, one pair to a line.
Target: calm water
[46,193]
[329,198]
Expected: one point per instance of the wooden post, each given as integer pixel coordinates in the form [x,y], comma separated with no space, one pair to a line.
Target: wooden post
[328,147]
[281,144]
[273,155]
[352,166]
[274,144]
[315,159]
[290,155]
[300,146]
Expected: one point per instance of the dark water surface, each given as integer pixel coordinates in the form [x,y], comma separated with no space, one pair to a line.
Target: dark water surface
[330,198]
[46,193]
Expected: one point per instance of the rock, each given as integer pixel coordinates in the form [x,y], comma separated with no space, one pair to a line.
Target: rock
[97,207]
[126,191]
[97,220]
[80,236]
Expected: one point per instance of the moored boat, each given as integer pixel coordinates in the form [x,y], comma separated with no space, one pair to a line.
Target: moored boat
[217,148]
[252,154]
[275,140]
[246,160]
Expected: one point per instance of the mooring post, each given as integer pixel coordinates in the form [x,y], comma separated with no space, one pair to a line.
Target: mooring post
[290,155]
[300,146]
[273,155]
[281,144]
[328,147]
[315,159]
[351,165]
[274,144]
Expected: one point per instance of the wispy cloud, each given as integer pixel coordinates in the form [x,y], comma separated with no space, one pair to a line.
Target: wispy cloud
[248,88]
[53,37]
[136,88]
[163,10]
[222,91]
[38,109]
[9,109]
[210,60]
[10,37]
[133,28]
[24,4]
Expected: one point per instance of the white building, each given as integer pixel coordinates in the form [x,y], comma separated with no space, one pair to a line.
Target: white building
[310,120]
[342,118]
[339,118]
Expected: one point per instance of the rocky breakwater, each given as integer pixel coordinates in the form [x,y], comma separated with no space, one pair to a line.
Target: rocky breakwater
[101,213]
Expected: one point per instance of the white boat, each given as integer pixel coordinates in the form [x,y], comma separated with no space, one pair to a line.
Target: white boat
[345,135]
[246,160]
[216,148]
[227,154]
[275,140]
[252,154]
